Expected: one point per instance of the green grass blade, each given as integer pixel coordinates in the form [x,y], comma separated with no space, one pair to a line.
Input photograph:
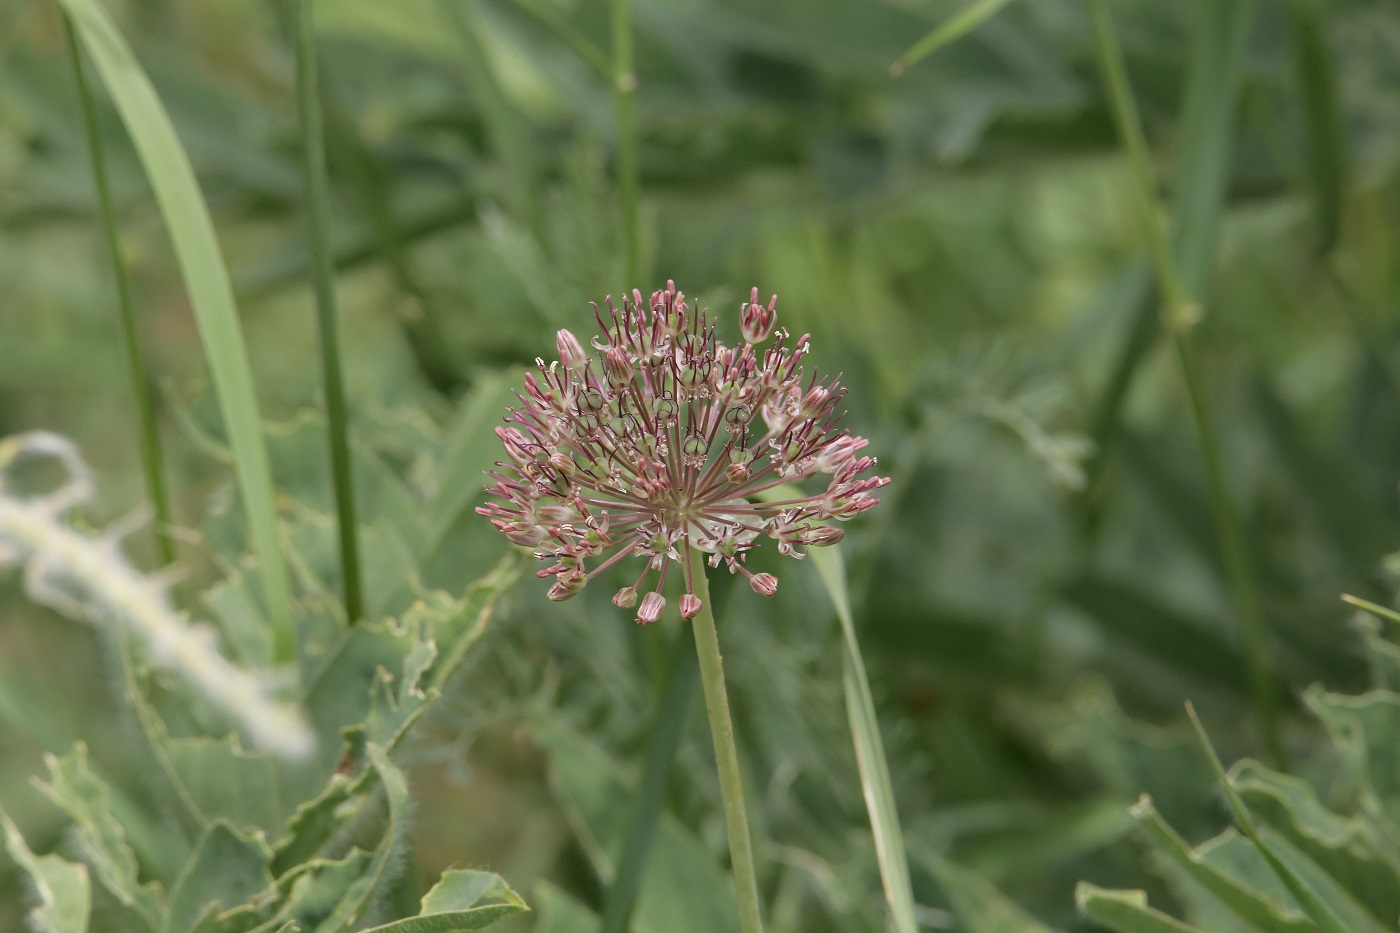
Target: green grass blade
[1371,607]
[957,26]
[313,145]
[197,251]
[682,677]
[876,786]
[582,46]
[1322,117]
[151,460]
[1181,314]
[1207,129]
[870,750]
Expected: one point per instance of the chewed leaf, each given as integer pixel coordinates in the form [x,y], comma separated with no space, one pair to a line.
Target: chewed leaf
[100,838]
[461,901]
[228,869]
[61,890]
[1342,846]
[1126,911]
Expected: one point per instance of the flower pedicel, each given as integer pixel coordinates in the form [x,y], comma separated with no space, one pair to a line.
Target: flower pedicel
[657,446]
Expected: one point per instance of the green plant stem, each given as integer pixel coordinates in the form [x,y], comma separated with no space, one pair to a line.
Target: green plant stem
[314,164]
[625,92]
[1181,314]
[731,785]
[131,337]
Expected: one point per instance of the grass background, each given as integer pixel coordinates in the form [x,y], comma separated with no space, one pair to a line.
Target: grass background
[1043,587]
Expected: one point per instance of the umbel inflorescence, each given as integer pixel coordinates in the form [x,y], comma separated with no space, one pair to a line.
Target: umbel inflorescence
[657,447]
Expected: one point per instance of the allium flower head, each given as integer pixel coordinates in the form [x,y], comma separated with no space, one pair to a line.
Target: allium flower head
[655,447]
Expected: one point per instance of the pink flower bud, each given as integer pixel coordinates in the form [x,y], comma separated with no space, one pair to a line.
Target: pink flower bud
[617,366]
[650,611]
[821,536]
[755,321]
[764,584]
[566,587]
[571,352]
[690,606]
[626,598]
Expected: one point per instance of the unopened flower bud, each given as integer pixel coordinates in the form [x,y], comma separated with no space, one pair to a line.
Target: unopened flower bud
[813,402]
[650,611]
[690,606]
[617,366]
[566,587]
[764,584]
[755,321]
[626,598]
[821,536]
[571,352]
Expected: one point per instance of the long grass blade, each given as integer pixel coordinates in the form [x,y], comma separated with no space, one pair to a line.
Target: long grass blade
[876,786]
[591,55]
[510,137]
[313,146]
[625,97]
[870,749]
[211,295]
[1322,117]
[152,463]
[682,677]
[1181,313]
[1207,126]
[954,28]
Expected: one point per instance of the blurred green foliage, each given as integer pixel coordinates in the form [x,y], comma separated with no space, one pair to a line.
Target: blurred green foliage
[1042,588]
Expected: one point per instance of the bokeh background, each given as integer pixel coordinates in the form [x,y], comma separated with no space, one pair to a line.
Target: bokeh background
[1043,587]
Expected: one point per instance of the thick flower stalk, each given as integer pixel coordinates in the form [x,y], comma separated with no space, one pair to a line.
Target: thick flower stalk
[656,447]
[88,578]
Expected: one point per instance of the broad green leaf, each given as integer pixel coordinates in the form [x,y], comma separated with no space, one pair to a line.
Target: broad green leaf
[1340,846]
[227,782]
[228,869]
[1126,911]
[362,890]
[461,901]
[318,888]
[1264,907]
[100,839]
[1364,728]
[1313,903]
[60,888]
[211,295]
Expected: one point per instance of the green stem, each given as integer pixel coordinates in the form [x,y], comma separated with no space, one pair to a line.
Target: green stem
[510,135]
[1181,314]
[131,339]
[314,164]
[731,785]
[625,92]
[590,54]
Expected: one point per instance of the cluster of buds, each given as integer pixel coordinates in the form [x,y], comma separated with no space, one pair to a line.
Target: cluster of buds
[658,446]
